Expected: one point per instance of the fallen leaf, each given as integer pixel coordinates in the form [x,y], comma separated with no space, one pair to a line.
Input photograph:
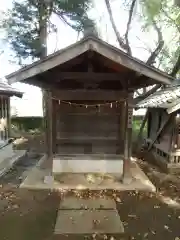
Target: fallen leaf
[145,235]
[15,206]
[118,199]
[156,206]
[94,235]
[125,223]
[166,227]
[112,238]
[132,216]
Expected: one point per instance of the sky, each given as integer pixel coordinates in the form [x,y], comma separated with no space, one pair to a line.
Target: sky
[31,103]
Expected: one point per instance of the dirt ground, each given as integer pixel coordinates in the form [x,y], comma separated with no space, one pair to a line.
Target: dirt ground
[31,215]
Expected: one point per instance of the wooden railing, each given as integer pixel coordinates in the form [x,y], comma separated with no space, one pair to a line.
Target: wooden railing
[168,156]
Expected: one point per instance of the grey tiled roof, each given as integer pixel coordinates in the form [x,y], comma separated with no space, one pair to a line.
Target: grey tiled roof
[164,98]
[7,89]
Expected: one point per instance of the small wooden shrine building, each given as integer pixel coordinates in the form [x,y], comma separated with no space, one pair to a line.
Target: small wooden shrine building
[6,91]
[88,89]
[163,126]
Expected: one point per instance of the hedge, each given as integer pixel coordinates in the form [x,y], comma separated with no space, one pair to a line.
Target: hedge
[32,123]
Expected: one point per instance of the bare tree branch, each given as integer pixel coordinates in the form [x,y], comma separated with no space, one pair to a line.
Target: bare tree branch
[175,70]
[119,38]
[128,27]
[61,17]
[126,46]
[159,47]
[147,48]
[151,60]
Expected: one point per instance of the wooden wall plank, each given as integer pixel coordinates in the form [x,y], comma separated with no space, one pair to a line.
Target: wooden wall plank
[99,95]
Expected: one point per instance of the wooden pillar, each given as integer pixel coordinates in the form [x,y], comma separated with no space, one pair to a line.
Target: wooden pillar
[8,118]
[5,115]
[48,131]
[1,115]
[127,176]
[122,121]
[54,127]
[3,118]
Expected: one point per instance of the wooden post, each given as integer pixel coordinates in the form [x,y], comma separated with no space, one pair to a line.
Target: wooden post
[2,118]
[54,127]
[8,118]
[127,176]
[122,121]
[5,117]
[48,130]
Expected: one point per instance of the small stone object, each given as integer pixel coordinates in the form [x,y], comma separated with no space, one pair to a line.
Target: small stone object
[48,179]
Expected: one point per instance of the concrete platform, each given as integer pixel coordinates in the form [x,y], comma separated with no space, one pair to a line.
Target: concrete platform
[88,222]
[82,181]
[84,204]
[85,163]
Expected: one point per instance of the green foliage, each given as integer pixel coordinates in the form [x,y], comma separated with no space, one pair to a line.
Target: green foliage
[167,17]
[151,8]
[23,23]
[74,13]
[22,28]
[27,123]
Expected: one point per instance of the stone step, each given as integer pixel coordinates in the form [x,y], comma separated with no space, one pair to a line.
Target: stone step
[88,222]
[90,203]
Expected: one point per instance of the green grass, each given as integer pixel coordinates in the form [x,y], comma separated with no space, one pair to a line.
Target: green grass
[136,128]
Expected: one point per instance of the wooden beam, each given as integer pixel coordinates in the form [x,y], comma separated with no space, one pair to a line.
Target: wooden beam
[81,94]
[83,76]
[159,132]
